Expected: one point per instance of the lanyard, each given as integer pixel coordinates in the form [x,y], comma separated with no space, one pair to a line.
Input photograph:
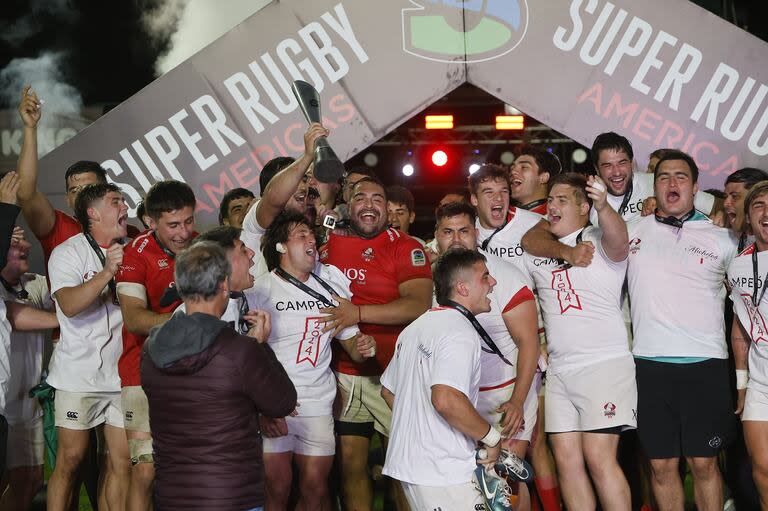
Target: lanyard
[21,294]
[163,247]
[96,248]
[479,329]
[627,195]
[579,236]
[757,299]
[742,242]
[534,204]
[311,292]
[484,244]
[241,326]
[674,221]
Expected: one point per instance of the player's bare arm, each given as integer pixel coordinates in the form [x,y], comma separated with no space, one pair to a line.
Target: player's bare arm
[538,241]
[25,318]
[740,343]
[615,240]
[138,319]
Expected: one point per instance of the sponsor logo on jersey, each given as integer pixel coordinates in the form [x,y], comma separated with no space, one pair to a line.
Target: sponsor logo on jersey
[128,415]
[634,245]
[423,350]
[143,245]
[162,263]
[89,275]
[715,442]
[539,261]
[368,254]
[702,253]
[418,258]
[72,416]
[609,410]
[324,254]
[355,274]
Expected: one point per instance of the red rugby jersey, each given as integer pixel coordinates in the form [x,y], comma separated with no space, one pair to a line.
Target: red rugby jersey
[375,267]
[145,263]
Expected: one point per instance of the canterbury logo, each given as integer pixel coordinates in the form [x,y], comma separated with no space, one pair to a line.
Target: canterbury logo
[128,415]
[72,416]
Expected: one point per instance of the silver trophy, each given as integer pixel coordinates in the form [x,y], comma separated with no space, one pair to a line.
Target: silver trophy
[328,167]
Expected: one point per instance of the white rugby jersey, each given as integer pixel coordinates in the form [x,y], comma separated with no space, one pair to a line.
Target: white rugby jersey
[439,348]
[753,319]
[85,358]
[26,353]
[676,286]
[506,243]
[512,288]
[297,337]
[642,188]
[581,306]
[251,237]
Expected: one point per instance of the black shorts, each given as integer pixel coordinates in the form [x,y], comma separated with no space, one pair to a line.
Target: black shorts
[683,409]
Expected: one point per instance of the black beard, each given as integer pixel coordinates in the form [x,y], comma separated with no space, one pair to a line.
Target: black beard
[354,228]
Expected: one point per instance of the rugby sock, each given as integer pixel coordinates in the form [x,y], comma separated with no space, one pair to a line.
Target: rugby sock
[549,492]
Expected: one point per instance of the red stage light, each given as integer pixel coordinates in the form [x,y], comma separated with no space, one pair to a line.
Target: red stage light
[439,158]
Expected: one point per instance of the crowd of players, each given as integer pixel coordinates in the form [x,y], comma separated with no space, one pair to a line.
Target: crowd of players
[310,321]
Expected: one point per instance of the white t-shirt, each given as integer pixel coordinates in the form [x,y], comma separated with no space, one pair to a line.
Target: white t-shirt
[297,337]
[676,285]
[507,242]
[251,237]
[231,315]
[512,287]
[642,188]
[741,278]
[439,348]
[581,306]
[85,358]
[26,353]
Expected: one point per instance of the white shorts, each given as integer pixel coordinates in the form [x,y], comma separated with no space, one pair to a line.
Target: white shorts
[310,436]
[458,497]
[135,409]
[361,402]
[488,401]
[755,406]
[598,396]
[25,444]
[86,410]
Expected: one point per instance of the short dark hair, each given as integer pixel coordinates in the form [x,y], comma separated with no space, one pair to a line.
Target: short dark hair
[401,195]
[576,181]
[750,176]
[87,196]
[84,167]
[223,235]
[166,196]
[278,232]
[235,193]
[141,210]
[611,140]
[547,162]
[452,209]
[363,171]
[659,153]
[374,180]
[448,266]
[678,155]
[718,194]
[486,172]
[271,168]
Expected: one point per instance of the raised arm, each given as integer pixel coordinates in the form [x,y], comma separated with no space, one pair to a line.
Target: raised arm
[9,187]
[282,187]
[36,208]
[615,240]
[74,300]
[538,241]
